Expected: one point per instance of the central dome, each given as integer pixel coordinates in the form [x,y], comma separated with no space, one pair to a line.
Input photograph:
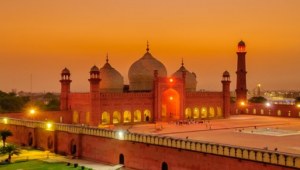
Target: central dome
[141,72]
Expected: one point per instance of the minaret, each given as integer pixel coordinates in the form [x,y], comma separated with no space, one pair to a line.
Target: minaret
[241,86]
[65,89]
[95,96]
[226,94]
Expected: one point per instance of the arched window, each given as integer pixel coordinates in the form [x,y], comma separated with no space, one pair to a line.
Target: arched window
[188,113]
[278,112]
[116,117]
[254,111]
[105,118]
[247,110]
[147,115]
[196,113]
[75,117]
[137,116]
[127,116]
[203,112]
[211,112]
[87,117]
[219,112]
[262,111]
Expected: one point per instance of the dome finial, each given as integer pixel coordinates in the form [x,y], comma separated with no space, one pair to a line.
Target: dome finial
[106,57]
[147,46]
[182,63]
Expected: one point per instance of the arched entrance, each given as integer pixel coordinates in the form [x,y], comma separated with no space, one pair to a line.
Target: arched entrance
[164,166]
[147,115]
[105,118]
[30,139]
[170,105]
[137,116]
[73,147]
[50,142]
[116,117]
[121,159]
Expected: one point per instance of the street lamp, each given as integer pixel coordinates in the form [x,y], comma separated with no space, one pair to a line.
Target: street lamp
[32,111]
[120,135]
[49,126]
[5,120]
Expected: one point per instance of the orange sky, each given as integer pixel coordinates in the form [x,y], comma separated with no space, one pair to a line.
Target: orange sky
[41,37]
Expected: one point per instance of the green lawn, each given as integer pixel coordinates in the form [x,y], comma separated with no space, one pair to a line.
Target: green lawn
[38,165]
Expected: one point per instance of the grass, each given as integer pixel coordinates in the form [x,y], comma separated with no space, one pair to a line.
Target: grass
[39,165]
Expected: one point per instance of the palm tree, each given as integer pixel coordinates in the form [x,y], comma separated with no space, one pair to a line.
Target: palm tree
[10,150]
[4,134]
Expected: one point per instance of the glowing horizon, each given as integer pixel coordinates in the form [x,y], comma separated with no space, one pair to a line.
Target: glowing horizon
[41,38]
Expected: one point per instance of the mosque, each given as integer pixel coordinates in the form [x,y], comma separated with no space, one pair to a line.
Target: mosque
[151,96]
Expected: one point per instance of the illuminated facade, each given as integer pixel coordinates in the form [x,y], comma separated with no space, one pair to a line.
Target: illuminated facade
[152,96]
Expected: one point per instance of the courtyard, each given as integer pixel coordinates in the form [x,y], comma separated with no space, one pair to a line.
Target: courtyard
[269,133]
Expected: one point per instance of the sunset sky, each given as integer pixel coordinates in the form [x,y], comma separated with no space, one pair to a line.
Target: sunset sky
[41,37]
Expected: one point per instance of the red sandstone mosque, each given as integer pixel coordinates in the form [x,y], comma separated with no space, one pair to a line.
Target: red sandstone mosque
[151,95]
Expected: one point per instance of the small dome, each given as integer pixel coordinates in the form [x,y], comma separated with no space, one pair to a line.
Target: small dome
[141,72]
[111,79]
[226,74]
[190,78]
[242,43]
[94,69]
[65,71]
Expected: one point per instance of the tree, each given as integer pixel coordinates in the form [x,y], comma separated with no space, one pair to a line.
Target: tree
[53,105]
[4,134]
[10,102]
[258,99]
[10,150]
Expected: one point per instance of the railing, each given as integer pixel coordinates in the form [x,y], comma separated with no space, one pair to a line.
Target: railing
[253,154]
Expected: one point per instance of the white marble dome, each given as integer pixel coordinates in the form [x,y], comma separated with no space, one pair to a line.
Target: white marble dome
[111,79]
[190,78]
[141,72]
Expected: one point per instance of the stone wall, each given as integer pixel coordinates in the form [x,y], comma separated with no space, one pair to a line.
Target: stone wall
[144,151]
[278,110]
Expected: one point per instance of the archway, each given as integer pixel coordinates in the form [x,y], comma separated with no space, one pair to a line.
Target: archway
[127,116]
[50,142]
[196,113]
[188,113]
[211,112]
[87,117]
[170,105]
[219,112]
[147,115]
[137,115]
[73,147]
[116,117]
[75,117]
[203,112]
[121,159]
[164,166]
[30,139]
[105,118]
[278,112]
